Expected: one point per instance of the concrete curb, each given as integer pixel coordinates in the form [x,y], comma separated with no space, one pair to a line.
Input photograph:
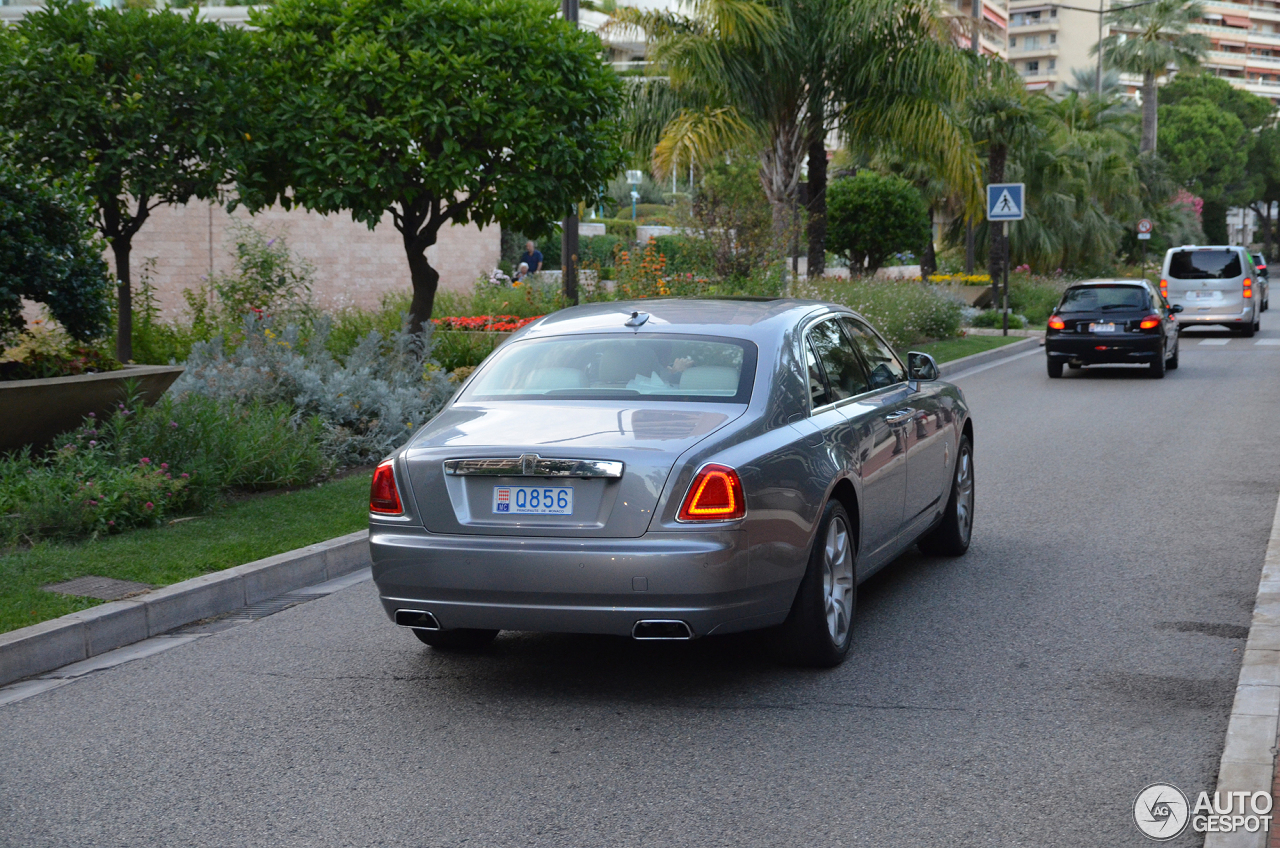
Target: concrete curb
[1248,757]
[964,363]
[80,635]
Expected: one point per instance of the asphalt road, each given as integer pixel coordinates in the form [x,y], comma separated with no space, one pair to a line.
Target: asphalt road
[1087,646]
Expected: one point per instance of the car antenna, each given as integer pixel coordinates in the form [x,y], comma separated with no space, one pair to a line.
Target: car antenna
[637,318]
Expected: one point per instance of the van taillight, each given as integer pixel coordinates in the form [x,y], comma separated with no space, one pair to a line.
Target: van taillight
[384,497]
[714,495]
[1248,288]
[1164,289]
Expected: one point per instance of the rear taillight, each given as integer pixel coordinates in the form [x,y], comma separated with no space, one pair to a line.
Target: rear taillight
[1149,323]
[714,495]
[1248,288]
[384,498]
[1164,289]
[1056,323]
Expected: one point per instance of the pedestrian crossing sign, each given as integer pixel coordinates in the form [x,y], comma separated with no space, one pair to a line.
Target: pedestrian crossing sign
[1005,201]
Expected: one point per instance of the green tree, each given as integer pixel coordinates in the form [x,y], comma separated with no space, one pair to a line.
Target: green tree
[1148,39]
[1264,166]
[50,253]
[773,77]
[1207,149]
[435,111]
[872,216]
[149,103]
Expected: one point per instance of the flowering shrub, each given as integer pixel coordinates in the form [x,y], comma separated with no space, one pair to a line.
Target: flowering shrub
[959,279]
[907,312]
[142,466]
[484,323]
[371,400]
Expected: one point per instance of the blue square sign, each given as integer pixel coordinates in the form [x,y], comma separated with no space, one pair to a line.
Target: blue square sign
[1005,201]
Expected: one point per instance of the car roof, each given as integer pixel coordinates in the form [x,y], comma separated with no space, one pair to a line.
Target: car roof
[1209,247]
[727,316]
[1118,282]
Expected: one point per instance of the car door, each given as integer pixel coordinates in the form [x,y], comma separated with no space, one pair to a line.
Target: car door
[870,437]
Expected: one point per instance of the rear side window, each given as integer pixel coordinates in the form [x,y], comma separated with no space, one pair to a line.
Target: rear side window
[1103,298]
[1205,265]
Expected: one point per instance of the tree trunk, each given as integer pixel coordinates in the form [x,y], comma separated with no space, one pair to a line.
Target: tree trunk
[780,177]
[568,257]
[817,208]
[929,259]
[425,280]
[1148,142]
[1266,231]
[996,158]
[121,245]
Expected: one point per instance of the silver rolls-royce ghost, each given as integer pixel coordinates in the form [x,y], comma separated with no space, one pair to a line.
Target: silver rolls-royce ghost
[669,469]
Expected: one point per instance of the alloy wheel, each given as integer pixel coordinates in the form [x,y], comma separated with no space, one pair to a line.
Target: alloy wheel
[837,580]
[964,494]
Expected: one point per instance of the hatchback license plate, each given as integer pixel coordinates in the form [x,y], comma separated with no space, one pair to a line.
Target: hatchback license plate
[1102,328]
[1203,295]
[530,500]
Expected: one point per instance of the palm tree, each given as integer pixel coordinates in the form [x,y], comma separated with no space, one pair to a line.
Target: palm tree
[999,119]
[1149,39]
[775,76]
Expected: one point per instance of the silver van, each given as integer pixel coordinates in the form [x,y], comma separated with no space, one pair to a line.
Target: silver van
[1214,285]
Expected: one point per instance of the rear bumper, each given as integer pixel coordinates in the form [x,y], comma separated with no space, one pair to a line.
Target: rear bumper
[575,585]
[1113,349]
[1225,316]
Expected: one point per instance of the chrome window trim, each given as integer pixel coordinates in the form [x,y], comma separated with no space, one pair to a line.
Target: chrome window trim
[804,336]
[532,465]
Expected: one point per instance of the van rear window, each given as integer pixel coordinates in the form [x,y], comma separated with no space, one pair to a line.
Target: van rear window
[1205,265]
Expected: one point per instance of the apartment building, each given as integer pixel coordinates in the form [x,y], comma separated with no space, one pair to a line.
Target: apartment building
[1245,44]
[1046,42]
[994,16]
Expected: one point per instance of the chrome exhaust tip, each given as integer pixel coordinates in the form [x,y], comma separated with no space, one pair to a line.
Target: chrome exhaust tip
[661,629]
[417,619]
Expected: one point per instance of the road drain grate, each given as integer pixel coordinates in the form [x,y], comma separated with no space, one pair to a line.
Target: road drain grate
[102,588]
[252,612]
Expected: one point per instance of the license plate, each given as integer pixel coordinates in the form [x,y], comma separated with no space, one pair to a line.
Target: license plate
[1203,295]
[531,500]
[1102,328]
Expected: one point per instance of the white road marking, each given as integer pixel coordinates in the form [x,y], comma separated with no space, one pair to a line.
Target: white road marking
[978,368]
[1214,341]
[1267,342]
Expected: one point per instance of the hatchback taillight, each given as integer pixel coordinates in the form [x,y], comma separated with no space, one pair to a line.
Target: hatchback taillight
[1056,323]
[1149,323]
[384,497]
[1248,288]
[1164,289]
[714,495]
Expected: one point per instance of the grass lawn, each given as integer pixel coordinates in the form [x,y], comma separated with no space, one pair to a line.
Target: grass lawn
[233,535]
[949,349]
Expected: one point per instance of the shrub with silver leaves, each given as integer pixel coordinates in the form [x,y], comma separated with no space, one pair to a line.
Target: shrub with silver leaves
[372,400]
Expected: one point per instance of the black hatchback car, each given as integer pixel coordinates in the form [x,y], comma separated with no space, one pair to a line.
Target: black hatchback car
[1112,321]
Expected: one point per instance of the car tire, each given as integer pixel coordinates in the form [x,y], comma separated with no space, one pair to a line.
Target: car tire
[1158,366]
[462,638]
[819,629]
[1055,368]
[1248,330]
[1172,364]
[951,536]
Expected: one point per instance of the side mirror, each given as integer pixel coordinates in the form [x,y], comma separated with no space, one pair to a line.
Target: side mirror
[921,367]
[1176,308]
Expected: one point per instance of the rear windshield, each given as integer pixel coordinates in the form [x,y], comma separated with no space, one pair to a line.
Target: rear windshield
[1205,265]
[1259,261]
[1103,298]
[667,367]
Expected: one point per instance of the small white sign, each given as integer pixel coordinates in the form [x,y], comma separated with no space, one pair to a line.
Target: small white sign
[635,177]
[1144,236]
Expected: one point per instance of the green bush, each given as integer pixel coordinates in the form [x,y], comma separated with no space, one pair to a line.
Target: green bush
[50,253]
[870,217]
[459,349]
[599,251]
[144,465]
[992,319]
[684,254]
[907,312]
[623,228]
[1035,297]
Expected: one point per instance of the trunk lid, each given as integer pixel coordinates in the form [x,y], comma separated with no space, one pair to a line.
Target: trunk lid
[614,458]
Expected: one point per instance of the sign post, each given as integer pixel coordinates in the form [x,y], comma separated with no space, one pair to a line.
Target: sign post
[634,178]
[1144,235]
[1005,202]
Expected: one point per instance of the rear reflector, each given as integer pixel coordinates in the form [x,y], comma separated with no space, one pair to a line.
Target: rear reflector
[384,497]
[1056,323]
[714,495]
[1149,323]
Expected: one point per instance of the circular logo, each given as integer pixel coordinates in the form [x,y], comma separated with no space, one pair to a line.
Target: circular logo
[1144,226]
[1160,811]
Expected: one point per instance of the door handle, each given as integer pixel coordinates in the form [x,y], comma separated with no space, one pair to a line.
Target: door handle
[900,417]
